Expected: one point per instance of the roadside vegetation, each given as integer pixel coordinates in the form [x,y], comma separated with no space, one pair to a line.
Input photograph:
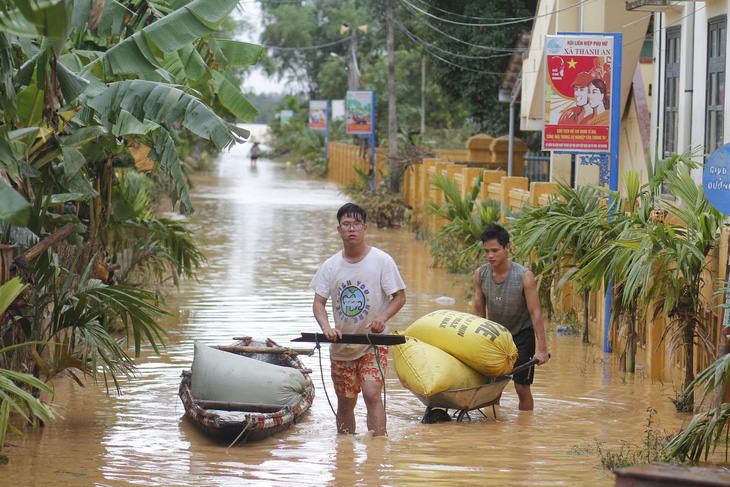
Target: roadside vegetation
[651,448]
[651,247]
[100,109]
[440,82]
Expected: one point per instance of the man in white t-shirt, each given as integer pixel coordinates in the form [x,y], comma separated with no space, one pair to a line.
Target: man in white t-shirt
[367,290]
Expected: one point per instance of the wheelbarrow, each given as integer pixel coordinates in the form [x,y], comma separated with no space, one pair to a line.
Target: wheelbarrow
[469,399]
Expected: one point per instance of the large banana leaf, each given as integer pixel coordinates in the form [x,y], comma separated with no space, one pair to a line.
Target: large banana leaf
[186,64]
[31,18]
[165,104]
[72,85]
[232,98]
[13,207]
[240,54]
[165,152]
[145,50]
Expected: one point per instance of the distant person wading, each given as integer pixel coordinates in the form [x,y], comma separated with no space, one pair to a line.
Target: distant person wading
[255,153]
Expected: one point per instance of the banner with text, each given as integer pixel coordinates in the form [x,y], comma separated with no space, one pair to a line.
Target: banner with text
[577,89]
[360,112]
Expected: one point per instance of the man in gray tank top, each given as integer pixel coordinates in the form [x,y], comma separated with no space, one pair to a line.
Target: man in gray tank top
[506,293]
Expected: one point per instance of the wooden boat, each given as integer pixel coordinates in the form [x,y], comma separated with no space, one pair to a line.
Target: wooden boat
[247,421]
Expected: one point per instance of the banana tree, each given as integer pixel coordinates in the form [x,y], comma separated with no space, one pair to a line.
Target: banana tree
[81,82]
[173,70]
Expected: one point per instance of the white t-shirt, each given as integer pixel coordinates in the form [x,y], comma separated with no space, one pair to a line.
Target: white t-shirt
[359,293]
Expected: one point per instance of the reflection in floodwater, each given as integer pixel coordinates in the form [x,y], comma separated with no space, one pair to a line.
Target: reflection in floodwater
[265,232]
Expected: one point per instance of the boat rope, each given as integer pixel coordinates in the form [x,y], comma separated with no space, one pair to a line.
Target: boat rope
[341,426]
[248,423]
[376,350]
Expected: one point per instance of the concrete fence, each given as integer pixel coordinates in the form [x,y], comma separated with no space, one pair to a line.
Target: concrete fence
[481,151]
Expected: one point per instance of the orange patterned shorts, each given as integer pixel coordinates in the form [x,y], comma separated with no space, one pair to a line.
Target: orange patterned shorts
[347,375]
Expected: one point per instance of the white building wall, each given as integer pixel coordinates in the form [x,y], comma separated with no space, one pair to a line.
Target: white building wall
[693,18]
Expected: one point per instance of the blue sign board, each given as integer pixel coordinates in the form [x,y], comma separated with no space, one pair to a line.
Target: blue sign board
[716,179]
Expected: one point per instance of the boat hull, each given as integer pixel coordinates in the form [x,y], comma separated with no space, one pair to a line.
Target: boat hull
[248,425]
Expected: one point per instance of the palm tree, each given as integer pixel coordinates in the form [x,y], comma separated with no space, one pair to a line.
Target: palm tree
[562,233]
[458,242]
[660,263]
[14,398]
[603,266]
[705,432]
[668,264]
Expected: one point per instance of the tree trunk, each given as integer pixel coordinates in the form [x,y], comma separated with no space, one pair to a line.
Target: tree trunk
[423,94]
[353,73]
[722,342]
[722,350]
[631,344]
[689,366]
[586,296]
[392,122]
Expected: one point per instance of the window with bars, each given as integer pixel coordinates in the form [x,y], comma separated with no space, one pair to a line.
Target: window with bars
[716,49]
[671,91]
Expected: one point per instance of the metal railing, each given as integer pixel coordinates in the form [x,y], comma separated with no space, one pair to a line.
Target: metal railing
[537,166]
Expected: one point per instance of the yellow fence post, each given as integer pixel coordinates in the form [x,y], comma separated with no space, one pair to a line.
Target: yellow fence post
[508,184]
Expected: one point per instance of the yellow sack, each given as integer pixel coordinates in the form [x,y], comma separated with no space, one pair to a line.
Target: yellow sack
[428,370]
[483,345]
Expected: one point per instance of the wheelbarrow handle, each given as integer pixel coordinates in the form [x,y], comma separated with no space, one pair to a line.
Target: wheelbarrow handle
[526,365]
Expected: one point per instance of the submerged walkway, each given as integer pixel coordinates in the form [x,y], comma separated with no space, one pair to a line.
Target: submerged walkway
[265,231]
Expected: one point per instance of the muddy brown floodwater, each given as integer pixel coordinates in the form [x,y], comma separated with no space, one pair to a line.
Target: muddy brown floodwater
[265,231]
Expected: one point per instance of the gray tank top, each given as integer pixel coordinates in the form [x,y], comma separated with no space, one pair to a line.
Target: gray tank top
[505,301]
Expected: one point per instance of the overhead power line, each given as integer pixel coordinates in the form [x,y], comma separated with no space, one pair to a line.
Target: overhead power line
[507,21]
[464,67]
[464,16]
[417,39]
[309,48]
[489,48]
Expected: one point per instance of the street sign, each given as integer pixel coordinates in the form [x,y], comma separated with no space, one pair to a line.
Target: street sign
[716,179]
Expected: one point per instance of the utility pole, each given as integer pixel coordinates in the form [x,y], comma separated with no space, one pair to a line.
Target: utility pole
[353,76]
[392,122]
[423,95]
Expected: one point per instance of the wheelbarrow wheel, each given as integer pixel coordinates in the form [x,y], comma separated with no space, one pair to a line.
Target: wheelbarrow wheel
[461,415]
[435,415]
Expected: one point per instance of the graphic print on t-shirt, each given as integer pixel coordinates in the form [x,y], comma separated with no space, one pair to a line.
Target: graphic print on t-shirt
[352,301]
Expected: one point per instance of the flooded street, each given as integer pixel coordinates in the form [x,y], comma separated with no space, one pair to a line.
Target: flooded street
[265,231]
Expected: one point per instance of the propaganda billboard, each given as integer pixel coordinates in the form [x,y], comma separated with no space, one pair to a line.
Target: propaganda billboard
[360,112]
[318,114]
[284,117]
[577,113]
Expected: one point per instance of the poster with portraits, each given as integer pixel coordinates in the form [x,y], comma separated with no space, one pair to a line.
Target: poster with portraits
[577,114]
[318,115]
